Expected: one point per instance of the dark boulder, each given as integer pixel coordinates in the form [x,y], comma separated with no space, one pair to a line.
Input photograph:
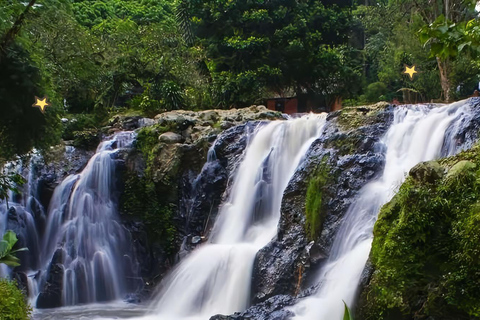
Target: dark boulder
[51,293]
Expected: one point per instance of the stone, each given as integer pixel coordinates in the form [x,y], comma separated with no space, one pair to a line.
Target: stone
[51,293]
[170,138]
[460,169]
[272,309]
[196,240]
[210,115]
[427,172]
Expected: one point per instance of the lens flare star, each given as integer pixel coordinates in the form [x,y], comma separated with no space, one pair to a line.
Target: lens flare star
[41,103]
[410,71]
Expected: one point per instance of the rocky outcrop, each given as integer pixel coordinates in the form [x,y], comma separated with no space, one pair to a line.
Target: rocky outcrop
[187,157]
[351,158]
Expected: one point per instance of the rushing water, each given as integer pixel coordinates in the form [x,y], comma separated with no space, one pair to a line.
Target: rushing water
[216,277]
[418,133]
[83,233]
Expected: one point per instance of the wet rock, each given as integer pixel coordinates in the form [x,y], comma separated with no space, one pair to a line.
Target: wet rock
[196,240]
[127,123]
[51,294]
[354,157]
[170,137]
[272,309]
[427,172]
[210,115]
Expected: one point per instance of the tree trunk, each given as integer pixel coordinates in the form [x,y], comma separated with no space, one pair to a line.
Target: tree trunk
[444,81]
[13,31]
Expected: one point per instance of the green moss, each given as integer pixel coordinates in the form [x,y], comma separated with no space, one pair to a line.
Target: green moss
[355,117]
[425,248]
[344,143]
[13,304]
[147,143]
[141,200]
[315,201]
[146,200]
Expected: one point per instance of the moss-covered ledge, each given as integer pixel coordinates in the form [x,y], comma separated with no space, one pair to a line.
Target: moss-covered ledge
[426,247]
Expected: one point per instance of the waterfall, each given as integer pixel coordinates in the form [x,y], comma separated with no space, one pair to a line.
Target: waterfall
[418,133]
[24,213]
[85,251]
[215,278]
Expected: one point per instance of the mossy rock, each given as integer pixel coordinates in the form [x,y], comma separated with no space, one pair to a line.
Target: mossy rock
[425,249]
[427,172]
[355,117]
[460,170]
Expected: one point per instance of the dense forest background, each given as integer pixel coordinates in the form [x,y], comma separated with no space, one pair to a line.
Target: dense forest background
[95,58]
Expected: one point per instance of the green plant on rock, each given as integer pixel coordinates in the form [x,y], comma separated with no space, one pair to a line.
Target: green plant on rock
[7,254]
[13,305]
[315,200]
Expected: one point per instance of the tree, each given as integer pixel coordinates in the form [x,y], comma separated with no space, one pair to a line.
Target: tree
[281,46]
[445,22]
[12,32]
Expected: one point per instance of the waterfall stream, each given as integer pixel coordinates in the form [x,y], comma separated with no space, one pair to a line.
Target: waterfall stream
[216,277]
[83,234]
[418,133]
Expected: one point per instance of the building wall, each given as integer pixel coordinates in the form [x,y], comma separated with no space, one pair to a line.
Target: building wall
[290,105]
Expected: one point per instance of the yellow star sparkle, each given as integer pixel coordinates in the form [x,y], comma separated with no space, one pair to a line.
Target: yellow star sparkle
[41,103]
[410,71]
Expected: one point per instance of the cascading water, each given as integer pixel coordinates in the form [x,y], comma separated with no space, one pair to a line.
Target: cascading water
[216,277]
[23,213]
[83,233]
[418,133]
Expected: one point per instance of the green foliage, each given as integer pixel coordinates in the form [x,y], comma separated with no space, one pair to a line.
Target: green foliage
[7,254]
[9,182]
[376,91]
[13,304]
[78,122]
[275,46]
[315,200]
[22,126]
[425,248]
[347,315]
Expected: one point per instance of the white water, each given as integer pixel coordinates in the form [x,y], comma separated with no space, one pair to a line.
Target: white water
[417,134]
[216,277]
[84,235]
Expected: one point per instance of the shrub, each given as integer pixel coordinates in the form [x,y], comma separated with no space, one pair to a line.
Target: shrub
[375,91]
[13,304]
